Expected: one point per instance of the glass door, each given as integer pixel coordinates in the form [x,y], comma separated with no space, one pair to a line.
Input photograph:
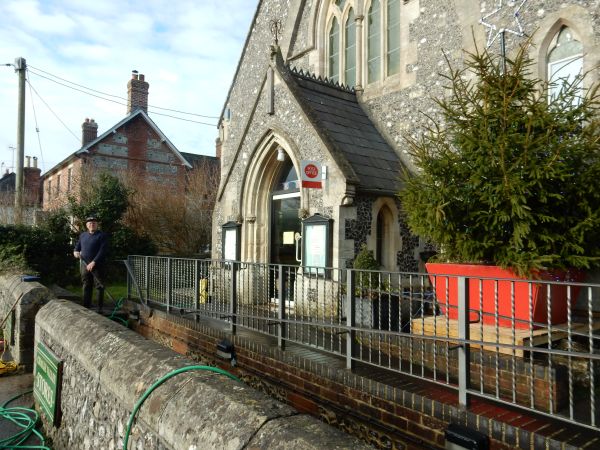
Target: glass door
[285,224]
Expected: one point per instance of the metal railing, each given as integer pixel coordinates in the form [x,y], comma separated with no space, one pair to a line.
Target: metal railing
[531,344]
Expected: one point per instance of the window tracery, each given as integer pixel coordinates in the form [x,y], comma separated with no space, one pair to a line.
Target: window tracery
[564,62]
[349,43]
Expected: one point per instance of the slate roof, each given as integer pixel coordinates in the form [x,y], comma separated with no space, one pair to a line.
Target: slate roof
[128,118]
[336,113]
[195,159]
[7,182]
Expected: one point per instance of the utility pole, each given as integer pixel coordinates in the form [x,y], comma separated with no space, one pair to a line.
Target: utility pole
[20,67]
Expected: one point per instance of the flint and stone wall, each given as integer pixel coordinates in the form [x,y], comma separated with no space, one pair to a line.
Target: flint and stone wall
[432,33]
[27,298]
[108,367]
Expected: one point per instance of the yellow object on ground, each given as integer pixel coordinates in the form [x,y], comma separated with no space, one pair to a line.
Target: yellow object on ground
[203,290]
[7,367]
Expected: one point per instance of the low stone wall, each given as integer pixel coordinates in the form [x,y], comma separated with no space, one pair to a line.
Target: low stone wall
[26,298]
[106,369]
[395,412]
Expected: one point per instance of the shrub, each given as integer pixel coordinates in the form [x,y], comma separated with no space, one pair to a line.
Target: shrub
[365,261]
[508,176]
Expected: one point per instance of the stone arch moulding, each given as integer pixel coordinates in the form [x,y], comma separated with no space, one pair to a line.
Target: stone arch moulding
[579,20]
[395,236]
[257,184]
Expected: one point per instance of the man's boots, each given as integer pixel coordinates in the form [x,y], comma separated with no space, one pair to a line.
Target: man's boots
[100,300]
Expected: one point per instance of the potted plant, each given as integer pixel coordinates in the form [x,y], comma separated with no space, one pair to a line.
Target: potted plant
[372,294]
[506,176]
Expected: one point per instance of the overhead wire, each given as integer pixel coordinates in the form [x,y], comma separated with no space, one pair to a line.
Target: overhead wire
[37,128]
[102,95]
[52,111]
[121,103]
[119,97]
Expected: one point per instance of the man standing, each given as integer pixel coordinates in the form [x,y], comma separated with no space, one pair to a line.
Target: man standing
[91,250]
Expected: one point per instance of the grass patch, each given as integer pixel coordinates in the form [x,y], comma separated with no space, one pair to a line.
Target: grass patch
[114,289]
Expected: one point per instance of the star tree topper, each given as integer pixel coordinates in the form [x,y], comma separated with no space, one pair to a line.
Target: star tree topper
[498,16]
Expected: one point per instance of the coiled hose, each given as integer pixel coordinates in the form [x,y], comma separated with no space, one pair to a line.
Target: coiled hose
[24,418]
[161,381]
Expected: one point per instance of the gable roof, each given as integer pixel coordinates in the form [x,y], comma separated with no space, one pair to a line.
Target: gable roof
[129,118]
[194,159]
[7,182]
[338,117]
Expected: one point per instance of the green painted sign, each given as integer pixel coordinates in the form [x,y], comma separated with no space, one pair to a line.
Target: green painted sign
[47,383]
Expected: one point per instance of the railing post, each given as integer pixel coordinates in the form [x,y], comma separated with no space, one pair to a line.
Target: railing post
[233,297]
[129,275]
[464,358]
[281,310]
[147,277]
[196,288]
[350,320]
[168,287]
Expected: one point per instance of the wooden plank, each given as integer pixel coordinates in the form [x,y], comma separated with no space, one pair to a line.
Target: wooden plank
[441,326]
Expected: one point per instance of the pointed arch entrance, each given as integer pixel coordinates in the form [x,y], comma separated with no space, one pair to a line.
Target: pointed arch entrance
[285,221]
[271,200]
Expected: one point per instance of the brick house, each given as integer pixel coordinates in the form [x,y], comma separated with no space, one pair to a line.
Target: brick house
[32,193]
[134,148]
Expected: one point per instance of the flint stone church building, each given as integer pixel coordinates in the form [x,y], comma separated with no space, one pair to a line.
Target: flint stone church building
[336,84]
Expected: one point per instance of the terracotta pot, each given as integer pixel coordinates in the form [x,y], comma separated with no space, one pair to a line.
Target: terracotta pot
[526,305]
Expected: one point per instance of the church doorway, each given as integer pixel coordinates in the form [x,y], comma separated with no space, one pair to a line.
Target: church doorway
[285,225]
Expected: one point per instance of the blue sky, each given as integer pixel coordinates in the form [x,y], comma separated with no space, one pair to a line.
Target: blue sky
[187,49]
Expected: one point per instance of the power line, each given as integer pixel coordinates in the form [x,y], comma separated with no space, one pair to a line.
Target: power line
[115,96]
[37,128]
[52,111]
[120,103]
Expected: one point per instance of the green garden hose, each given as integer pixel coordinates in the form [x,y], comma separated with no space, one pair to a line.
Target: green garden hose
[161,381]
[24,418]
[116,318]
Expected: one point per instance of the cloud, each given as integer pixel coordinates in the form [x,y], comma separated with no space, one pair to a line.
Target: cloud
[29,16]
[187,49]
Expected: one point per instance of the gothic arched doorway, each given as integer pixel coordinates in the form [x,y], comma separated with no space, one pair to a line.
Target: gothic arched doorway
[285,222]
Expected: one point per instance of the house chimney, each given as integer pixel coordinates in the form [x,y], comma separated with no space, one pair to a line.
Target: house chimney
[89,131]
[137,93]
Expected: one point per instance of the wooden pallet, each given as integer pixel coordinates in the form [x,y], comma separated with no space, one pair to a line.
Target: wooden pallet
[441,326]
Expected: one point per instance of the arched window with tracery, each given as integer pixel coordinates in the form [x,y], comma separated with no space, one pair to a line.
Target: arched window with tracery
[564,62]
[334,51]
[374,42]
[362,40]
[393,37]
[350,50]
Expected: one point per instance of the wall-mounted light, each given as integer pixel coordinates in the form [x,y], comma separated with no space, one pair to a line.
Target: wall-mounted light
[280,154]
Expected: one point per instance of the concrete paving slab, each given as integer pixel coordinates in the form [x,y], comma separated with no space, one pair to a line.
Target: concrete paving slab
[11,386]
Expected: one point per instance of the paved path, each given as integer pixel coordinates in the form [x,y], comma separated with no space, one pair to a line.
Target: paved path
[11,386]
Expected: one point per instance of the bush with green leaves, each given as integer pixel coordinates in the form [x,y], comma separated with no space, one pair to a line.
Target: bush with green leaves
[508,176]
[45,250]
[366,264]
[12,261]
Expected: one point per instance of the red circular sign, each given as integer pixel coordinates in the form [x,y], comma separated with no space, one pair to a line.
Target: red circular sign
[311,171]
